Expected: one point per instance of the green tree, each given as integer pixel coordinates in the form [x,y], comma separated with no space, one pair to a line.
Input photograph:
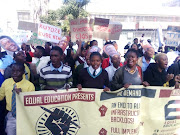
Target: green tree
[51,18]
[72,9]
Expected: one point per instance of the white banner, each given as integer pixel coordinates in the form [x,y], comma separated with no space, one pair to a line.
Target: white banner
[49,33]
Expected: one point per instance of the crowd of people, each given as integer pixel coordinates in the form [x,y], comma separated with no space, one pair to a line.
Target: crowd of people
[52,68]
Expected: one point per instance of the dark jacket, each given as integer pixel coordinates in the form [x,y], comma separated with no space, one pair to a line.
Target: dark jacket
[118,78]
[174,69]
[153,76]
[76,74]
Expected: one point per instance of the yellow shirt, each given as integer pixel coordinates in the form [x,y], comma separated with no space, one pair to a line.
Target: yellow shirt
[7,87]
[28,72]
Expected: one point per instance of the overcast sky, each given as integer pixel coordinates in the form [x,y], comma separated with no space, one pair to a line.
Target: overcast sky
[132,6]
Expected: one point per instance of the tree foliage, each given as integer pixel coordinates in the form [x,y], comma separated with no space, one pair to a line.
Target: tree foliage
[72,9]
[51,18]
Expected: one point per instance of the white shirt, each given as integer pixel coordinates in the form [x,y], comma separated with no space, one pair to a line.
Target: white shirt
[82,58]
[172,56]
[91,70]
[43,61]
[111,71]
[85,65]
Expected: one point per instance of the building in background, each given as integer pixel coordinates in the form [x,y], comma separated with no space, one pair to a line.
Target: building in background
[32,10]
[171,3]
[137,17]
[21,10]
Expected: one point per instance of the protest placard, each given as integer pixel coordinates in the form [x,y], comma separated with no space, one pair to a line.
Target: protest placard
[8,44]
[23,25]
[137,110]
[101,21]
[49,33]
[63,43]
[35,41]
[172,36]
[109,49]
[81,29]
[104,30]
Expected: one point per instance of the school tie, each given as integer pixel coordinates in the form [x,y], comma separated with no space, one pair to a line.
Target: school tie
[26,75]
[13,103]
[94,73]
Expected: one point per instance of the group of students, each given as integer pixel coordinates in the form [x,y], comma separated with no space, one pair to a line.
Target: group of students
[51,69]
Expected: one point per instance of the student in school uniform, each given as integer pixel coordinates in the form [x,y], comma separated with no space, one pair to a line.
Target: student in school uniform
[80,67]
[19,57]
[129,74]
[94,76]
[56,75]
[9,89]
[115,58]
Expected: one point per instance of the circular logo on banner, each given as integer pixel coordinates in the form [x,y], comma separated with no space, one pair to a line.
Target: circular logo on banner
[59,120]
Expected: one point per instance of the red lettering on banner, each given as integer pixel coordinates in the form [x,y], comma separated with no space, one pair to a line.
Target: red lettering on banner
[102,28]
[45,99]
[84,21]
[82,29]
[115,29]
[165,93]
[56,37]
[59,31]
[45,27]
[46,35]
[73,22]
[83,36]
[40,26]
[50,29]
[77,38]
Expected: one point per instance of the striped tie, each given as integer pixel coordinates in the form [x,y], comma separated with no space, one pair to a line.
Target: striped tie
[94,73]
[13,105]
[26,75]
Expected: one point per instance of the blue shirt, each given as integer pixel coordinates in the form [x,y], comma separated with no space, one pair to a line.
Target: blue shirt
[5,61]
[145,64]
[58,69]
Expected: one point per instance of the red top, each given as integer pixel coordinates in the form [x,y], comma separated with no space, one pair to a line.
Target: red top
[105,63]
[31,54]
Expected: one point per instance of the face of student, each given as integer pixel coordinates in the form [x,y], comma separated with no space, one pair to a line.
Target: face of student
[150,52]
[47,46]
[37,53]
[23,47]
[8,44]
[20,57]
[56,58]
[83,53]
[17,73]
[134,46]
[95,61]
[131,59]
[95,43]
[136,41]
[116,60]
[163,62]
